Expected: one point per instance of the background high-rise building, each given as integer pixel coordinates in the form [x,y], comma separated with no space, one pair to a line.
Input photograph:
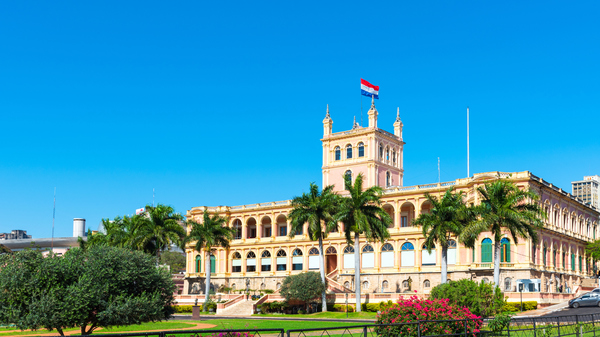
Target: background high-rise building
[587,190]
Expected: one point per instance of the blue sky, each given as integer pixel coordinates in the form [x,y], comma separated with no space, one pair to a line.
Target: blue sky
[221,103]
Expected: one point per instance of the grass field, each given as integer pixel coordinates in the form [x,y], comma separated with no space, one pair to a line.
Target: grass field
[329,314]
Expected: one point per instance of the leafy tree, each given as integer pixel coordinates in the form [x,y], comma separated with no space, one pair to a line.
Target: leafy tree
[158,228]
[447,218]
[211,233]
[361,213]
[175,260]
[482,299]
[504,208]
[305,287]
[97,287]
[317,208]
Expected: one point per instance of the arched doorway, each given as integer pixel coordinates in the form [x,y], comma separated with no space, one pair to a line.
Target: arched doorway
[331,259]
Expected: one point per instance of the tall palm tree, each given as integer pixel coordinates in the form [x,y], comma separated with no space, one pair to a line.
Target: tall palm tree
[212,232]
[448,216]
[156,229]
[317,208]
[505,208]
[361,213]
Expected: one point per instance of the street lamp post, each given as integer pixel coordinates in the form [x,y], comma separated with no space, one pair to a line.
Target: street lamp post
[346,305]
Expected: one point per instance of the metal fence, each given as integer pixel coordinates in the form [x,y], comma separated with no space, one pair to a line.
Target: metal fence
[466,327]
[202,333]
[573,325]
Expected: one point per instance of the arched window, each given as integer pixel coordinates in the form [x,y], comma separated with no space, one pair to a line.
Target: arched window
[426,284]
[428,259]
[405,284]
[347,285]
[251,262]
[368,257]
[573,262]
[361,150]
[387,154]
[233,286]
[380,152]
[387,256]
[198,263]
[348,175]
[262,286]
[331,250]
[297,259]
[544,256]
[278,285]
[504,250]
[388,179]
[485,280]
[385,285]
[236,263]
[408,255]
[281,260]
[394,157]
[213,264]
[451,252]
[338,153]
[365,285]
[349,151]
[313,258]
[507,284]
[265,261]
[486,250]
[237,229]
[349,257]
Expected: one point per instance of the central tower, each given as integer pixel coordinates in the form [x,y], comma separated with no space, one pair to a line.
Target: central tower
[375,153]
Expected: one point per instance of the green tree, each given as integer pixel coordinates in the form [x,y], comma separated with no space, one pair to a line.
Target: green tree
[211,233]
[305,287]
[361,213]
[447,218]
[504,208]
[157,229]
[175,261]
[482,299]
[317,208]
[97,287]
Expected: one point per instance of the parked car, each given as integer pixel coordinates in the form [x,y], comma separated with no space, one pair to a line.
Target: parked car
[587,300]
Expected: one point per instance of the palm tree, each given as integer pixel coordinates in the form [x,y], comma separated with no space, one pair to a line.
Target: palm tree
[447,218]
[361,213]
[212,232]
[505,208]
[156,229]
[317,208]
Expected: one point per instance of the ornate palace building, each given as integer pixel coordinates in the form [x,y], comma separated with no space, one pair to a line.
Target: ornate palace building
[262,254]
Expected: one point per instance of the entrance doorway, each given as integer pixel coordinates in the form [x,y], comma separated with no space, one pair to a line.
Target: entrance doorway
[331,259]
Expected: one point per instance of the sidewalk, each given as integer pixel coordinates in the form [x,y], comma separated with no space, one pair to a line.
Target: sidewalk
[543,311]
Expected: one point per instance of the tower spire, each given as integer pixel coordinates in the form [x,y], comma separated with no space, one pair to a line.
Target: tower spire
[327,115]
[398,115]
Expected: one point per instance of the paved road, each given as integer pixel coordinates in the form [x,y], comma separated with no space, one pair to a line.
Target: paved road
[572,311]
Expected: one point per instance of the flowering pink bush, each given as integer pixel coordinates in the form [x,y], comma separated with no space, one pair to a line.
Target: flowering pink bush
[422,313]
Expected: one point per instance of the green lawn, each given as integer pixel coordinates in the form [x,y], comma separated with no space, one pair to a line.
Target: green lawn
[329,314]
[172,325]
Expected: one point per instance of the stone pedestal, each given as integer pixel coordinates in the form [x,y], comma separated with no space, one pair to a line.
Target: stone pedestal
[196,312]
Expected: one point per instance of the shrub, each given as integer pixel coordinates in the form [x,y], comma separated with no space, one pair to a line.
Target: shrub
[340,307]
[304,287]
[182,308]
[370,307]
[481,298]
[499,323]
[265,308]
[516,306]
[415,309]
[269,291]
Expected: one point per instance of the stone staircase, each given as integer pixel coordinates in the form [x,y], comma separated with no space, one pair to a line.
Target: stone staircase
[243,308]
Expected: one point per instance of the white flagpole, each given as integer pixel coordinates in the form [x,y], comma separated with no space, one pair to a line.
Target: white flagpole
[468,168]
[53,216]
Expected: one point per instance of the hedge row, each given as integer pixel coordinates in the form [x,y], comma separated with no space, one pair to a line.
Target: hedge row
[516,306]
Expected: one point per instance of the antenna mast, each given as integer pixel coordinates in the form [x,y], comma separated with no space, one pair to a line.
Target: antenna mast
[468,168]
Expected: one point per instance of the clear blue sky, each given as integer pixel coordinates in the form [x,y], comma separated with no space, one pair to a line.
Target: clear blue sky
[221,103]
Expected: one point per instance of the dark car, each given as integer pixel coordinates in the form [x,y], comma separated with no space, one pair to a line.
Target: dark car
[587,300]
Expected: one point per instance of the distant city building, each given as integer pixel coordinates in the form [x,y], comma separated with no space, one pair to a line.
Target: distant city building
[587,190]
[16,234]
[19,240]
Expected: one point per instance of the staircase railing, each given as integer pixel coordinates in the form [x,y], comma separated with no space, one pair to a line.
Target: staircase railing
[228,304]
